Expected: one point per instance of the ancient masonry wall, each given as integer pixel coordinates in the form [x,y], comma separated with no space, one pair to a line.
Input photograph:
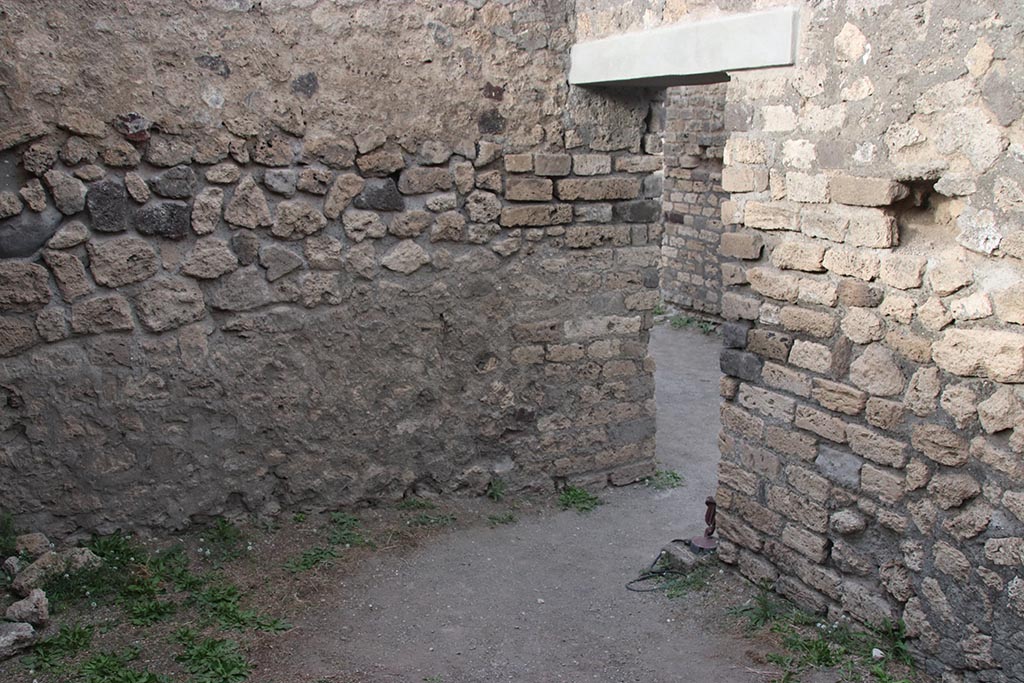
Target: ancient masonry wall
[691,272]
[873,442]
[295,254]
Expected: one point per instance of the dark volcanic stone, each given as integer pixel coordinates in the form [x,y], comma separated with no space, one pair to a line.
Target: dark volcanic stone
[108,206]
[734,334]
[170,220]
[380,195]
[176,183]
[27,232]
[246,247]
[639,211]
[214,63]
[741,364]
[491,122]
[133,126]
[306,85]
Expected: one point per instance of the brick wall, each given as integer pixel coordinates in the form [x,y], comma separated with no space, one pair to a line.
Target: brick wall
[873,416]
[691,276]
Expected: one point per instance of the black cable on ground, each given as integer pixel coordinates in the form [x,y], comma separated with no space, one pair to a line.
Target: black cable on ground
[653,572]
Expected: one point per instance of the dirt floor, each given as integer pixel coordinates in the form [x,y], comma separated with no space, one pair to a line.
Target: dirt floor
[544,599]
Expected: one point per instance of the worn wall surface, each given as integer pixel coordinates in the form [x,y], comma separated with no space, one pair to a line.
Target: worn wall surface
[266,254]
[873,452]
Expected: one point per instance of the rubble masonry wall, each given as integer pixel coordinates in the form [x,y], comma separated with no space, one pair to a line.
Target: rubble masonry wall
[272,254]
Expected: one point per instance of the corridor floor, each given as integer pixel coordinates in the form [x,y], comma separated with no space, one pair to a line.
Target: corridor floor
[544,599]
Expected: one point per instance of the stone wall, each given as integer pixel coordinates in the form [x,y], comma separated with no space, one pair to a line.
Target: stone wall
[873,444]
[297,254]
[873,408]
[691,273]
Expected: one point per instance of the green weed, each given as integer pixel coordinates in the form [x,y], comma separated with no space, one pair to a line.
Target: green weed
[415,504]
[882,676]
[112,667]
[172,567]
[680,321]
[892,637]
[763,610]
[299,517]
[504,518]
[659,309]
[812,643]
[123,563]
[147,610]
[707,327]
[345,531]
[68,642]
[678,586]
[225,541]
[310,559]
[212,660]
[423,519]
[578,499]
[222,603]
[664,479]
[496,489]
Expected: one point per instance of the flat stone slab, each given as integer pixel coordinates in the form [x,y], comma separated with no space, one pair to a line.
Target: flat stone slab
[678,555]
[689,53]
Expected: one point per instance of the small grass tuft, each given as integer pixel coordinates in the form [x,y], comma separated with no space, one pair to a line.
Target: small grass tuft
[707,326]
[112,667]
[224,541]
[679,586]
[763,609]
[146,610]
[496,489]
[578,499]
[664,479]
[504,518]
[810,642]
[415,504]
[311,559]
[680,321]
[124,563]
[345,531]
[212,660]
[172,567]
[423,519]
[52,652]
[222,603]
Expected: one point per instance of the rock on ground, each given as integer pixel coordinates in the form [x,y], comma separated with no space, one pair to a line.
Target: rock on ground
[14,638]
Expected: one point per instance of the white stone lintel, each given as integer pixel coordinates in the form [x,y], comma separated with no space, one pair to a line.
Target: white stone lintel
[690,52]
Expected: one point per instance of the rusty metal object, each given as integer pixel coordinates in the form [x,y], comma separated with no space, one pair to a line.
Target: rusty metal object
[707,542]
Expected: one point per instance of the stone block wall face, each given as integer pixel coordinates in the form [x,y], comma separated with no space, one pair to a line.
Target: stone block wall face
[691,275]
[231,280]
[873,414]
